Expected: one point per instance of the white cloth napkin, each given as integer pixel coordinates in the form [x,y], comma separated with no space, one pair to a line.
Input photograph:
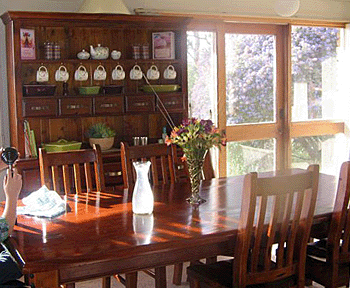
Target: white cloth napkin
[42,203]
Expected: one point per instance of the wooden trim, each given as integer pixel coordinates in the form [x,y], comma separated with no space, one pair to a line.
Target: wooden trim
[316,128]
[91,17]
[215,18]
[221,82]
[251,132]
[298,129]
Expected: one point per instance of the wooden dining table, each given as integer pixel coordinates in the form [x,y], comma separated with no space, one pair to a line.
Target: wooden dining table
[98,235]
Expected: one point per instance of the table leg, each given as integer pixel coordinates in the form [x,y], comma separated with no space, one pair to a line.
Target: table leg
[106,282]
[46,279]
[177,276]
[131,280]
[160,277]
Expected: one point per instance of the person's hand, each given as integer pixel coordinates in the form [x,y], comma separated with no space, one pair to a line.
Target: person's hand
[12,184]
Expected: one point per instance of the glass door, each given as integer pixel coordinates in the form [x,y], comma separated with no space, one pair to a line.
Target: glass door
[252,112]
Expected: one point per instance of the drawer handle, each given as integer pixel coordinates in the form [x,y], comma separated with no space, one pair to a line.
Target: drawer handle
[108,105]
[74,106]
[113,174]
[171,103]
[39,108]
[140,104]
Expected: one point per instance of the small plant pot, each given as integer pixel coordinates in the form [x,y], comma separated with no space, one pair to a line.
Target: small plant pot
[105,143]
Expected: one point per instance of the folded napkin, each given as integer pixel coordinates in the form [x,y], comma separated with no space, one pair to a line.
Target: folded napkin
[42,203]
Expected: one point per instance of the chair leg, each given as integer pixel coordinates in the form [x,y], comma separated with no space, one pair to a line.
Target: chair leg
[160,277]
[177,277]
[131,280]
[106,282]
[194,283]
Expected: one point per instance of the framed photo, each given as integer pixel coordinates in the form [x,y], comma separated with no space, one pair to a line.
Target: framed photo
[27,44]
[163,44]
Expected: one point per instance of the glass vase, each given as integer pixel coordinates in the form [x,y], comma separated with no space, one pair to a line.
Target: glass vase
[195,163]
[142,197]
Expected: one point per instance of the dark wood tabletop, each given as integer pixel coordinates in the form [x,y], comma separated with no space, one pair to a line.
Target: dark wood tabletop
[99,235]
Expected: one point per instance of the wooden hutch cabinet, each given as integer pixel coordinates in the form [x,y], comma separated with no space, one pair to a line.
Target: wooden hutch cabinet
[67,114]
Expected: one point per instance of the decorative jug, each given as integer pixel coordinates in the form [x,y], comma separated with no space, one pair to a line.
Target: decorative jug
[142,197]
[42,75]
[81,74]
[169,72]
[153,73]
[136,73]
[118,73]
[100,73]
[61,74]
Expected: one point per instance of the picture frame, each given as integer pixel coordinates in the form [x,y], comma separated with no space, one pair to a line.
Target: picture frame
[27,39]
[163,45]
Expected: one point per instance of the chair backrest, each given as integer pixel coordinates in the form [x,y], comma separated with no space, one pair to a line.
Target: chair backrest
[274,227]
[339,232]
[162,159]
[66,168]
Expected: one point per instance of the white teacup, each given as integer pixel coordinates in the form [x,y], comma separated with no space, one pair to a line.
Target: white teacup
[42,75]
[153,73]
[169,72]
[136,73]
[62,74]
[116,54]
[118,73]
[81,74]
[100,73]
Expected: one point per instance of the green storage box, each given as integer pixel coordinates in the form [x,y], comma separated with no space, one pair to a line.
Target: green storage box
[62,145]
[89,90]
[161,88]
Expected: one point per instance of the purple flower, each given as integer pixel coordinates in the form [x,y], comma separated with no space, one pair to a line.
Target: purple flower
[181,130]
[207,124]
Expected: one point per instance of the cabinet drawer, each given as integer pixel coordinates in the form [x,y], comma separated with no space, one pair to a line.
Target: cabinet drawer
[172,103]
[76,106]
[144,103]
[113,173]
[109,105]
[39,107]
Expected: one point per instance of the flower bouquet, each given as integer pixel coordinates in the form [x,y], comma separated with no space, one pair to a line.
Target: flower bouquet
[195,137]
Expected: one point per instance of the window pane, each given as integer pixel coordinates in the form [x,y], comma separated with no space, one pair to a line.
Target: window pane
[250,78]
[316,66]
[328,151]
[250,156]
[201,67]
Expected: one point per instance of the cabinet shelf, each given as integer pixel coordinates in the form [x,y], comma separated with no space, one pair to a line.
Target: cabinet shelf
[94,61]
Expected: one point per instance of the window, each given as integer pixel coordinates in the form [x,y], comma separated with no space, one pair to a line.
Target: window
[273,117]
[318,102]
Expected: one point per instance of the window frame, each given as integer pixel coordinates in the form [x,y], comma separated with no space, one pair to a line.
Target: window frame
[286,129]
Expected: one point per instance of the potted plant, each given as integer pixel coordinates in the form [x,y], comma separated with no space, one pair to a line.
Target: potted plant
[101,134]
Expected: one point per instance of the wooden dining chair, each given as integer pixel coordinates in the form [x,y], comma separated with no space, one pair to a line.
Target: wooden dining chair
[162,159]
[273,231]
[328,259]
[73,171]
[63,171]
